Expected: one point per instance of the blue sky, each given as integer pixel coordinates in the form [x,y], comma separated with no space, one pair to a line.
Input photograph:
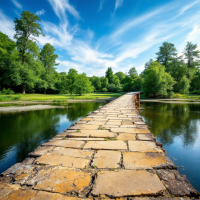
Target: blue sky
[92,35]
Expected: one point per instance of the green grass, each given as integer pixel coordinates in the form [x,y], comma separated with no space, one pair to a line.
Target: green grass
[58,97]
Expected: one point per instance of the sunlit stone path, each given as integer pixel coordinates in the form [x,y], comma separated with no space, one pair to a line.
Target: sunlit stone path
[107,155]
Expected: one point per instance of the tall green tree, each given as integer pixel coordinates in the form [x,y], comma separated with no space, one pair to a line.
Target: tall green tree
[121,76]
[109,75]
[166,54]
[48,59]
[27,30]
[8,55]
[104,82]
[96,82]
[157,82]
[82,84]
[72,75]
[133,73]
[192,55]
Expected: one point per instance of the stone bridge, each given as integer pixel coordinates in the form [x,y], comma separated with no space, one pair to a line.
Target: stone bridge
[110,154]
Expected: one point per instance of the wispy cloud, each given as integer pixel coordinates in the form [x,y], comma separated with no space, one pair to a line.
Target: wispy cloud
[60,7]
[40,12]
[185,8]
[17,4]
[101,5]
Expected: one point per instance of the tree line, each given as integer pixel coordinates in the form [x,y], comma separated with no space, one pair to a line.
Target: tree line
[25,67]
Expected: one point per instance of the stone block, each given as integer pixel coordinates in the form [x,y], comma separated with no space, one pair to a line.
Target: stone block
[143,146]
[106,145]
[127,183]
[65,161]
[129,130]
[126,136]
[136,160]
[40,151]
[107,159]
[66,143]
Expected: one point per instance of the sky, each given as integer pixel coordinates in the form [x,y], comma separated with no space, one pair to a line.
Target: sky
[92,35]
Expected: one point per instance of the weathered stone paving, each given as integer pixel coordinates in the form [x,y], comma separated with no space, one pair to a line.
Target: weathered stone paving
[110,154]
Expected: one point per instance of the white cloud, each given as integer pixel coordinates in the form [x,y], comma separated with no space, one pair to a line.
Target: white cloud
[101,5]
[118,3]
[61,6]
[6,25]
[17,4]
[185,8]
[40,12]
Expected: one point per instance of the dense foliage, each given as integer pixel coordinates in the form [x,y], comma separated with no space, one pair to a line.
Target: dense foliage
[25,67]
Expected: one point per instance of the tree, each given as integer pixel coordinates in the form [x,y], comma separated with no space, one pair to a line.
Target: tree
[183,85]
[96,82]
[192,56]
[120,75]
[48,59]
[157,82]
[82,84]
[8,55]
[133,73]
[104,82]
[109,75]
[27,29]
[72,75]
[116,80]
[166,54]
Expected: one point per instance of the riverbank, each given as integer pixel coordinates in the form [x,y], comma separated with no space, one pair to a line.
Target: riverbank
[12,109]
[58,97]
[173,100]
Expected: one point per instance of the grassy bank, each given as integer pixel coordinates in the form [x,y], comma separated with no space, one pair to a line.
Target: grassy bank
[57,97]
[176,96]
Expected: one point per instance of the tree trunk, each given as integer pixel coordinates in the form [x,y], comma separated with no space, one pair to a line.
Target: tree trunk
[23,88]
[44,90]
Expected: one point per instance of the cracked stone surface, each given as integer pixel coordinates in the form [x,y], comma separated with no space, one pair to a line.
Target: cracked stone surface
[129,130]
[60,180]
[136,160]
[127,183]
[177,184]
[40,151]
[107,159]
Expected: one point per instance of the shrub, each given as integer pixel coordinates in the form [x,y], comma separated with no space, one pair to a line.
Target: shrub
[177,95]
[104,90]
[8,91]
[196,92]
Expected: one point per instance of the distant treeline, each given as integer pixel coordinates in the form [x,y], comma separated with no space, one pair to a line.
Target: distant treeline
[24,67]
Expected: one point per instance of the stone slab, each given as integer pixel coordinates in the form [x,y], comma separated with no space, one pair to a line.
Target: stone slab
[126,136]
[66,143]
[40,151]
[99,133]
[129,130]
[107,159]
[88,139]
[127,123]
[63,134]
[136,160]
[107,145]
[76,153]
[86,119]
[65,161]
[60,180]
[128,126]
[143,146]
[78,134]
[145,137]
[5,189]
[127,183]
[89,127]
[118,123]
[96,123]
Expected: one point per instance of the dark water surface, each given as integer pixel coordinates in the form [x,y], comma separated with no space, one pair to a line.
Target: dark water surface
[177,127]
[21,133]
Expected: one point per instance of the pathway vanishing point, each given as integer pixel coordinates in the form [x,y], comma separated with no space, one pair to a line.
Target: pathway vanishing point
[110,154]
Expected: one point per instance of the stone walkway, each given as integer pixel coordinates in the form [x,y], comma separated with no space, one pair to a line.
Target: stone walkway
[110,154]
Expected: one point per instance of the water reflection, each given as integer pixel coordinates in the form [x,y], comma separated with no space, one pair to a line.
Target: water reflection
[21,133]
[177,126]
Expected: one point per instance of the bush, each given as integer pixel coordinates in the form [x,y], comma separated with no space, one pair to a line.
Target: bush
[177,95]
[196,92]
[8,91]
[104,90]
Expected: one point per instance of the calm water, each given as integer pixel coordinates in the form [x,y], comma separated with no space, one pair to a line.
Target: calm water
[21,133]
[177,127]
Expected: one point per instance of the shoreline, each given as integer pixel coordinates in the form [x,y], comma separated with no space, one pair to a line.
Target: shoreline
[180,101]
